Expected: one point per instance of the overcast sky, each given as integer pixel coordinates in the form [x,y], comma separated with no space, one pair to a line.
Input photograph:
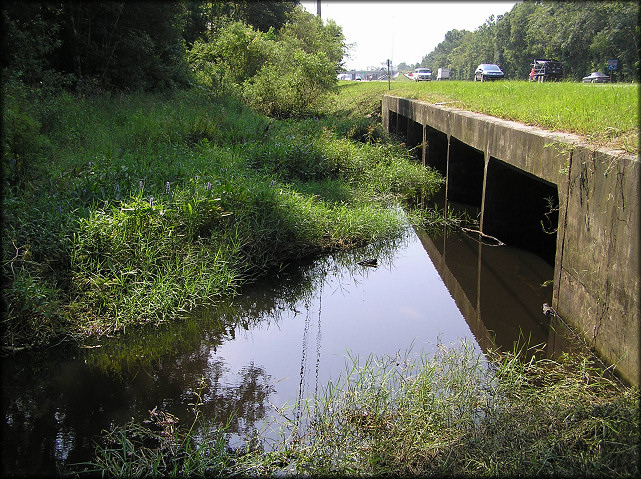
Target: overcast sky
[401,31]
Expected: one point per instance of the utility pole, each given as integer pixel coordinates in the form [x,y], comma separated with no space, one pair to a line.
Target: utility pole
[389,77]
[318,9]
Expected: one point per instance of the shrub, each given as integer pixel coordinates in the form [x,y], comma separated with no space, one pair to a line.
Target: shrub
[280,74]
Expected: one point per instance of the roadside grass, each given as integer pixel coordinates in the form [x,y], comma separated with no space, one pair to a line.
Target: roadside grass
[456,413]
[137,208]
[605,115]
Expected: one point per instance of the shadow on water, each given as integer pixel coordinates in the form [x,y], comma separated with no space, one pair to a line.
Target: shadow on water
[269,349]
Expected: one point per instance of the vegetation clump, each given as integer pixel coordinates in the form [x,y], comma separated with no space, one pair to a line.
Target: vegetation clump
[456,414]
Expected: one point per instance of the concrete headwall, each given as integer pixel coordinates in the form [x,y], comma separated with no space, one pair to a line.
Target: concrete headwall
[596,265]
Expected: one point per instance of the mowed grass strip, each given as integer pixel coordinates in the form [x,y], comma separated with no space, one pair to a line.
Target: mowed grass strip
[605,115]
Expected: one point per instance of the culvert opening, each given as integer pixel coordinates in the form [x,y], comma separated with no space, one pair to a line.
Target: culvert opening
[521,209]
[465,170]
[414,140]
[436,150]
[393,120]
[401,125]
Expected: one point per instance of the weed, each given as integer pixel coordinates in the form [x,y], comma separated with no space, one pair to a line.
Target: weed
[160,448]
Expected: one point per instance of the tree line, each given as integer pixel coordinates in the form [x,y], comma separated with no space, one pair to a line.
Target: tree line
[248,47]
[582,35]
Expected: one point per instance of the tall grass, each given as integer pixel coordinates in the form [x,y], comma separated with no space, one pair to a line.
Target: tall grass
[456,413]
[137,208]
[604,114]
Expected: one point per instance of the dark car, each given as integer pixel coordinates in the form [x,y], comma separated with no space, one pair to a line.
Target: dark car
[488,71]
[596,77]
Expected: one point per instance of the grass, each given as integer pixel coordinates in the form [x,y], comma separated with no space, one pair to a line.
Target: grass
[603,114]
[159,448]
[137,208]
[456,413]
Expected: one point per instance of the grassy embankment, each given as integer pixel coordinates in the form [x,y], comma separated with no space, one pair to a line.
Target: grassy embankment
[603,114]
[136,208]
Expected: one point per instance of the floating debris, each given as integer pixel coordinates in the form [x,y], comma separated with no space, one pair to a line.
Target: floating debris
[372,263]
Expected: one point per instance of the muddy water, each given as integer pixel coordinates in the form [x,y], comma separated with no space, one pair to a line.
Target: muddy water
[279,343]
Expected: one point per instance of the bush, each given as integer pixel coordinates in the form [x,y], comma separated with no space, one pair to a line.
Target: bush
[283,90]
[280,74]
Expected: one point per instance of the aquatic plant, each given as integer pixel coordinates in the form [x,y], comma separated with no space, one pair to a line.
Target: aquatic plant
[456,414]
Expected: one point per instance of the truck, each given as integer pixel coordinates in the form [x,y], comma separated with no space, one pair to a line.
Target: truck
[422,74]
[546,70]
[443,74]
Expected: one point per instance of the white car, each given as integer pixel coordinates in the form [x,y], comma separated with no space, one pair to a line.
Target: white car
[422,74]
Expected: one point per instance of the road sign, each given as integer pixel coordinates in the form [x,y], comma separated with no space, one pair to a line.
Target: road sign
[613,65]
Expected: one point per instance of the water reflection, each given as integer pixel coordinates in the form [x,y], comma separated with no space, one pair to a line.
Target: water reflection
[262,354]
[492,286]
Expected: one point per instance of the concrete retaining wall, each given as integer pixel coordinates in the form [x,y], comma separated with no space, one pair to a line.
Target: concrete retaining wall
[596,266]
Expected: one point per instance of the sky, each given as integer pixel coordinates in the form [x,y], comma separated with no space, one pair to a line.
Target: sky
[401,31]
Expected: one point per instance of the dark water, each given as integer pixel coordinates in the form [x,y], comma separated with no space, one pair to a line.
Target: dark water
[280,342]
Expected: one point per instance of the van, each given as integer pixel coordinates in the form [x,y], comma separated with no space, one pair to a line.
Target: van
[422,74]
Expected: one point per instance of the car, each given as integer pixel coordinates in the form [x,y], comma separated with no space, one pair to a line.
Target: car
[596,77]
[488,71]
[422,74]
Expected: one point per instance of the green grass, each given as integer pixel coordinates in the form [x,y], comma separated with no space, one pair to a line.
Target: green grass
[456,413]
[136,208]
[603,114]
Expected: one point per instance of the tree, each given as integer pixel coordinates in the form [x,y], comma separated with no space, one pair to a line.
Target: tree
[114,45]
[204,18]
[30,37]
[582,35]
[304,68]
[307,32]
[440,56]
[280,73]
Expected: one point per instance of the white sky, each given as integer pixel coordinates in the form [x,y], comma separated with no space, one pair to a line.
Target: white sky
[401,31]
